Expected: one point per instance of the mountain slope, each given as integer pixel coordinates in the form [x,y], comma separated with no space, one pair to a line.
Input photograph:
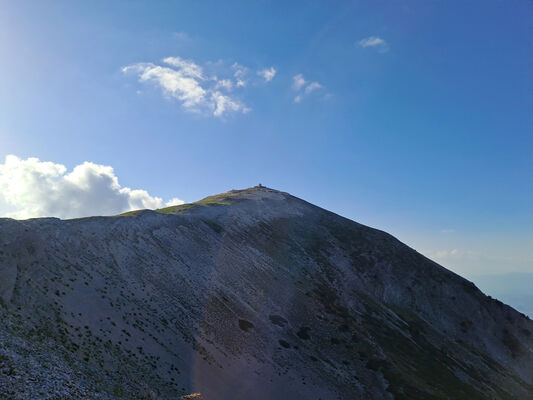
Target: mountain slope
[248,294]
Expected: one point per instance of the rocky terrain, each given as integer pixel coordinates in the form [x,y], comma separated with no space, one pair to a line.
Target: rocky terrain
[250,294]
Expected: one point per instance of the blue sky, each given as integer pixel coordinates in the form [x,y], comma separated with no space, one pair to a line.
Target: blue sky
[414,117]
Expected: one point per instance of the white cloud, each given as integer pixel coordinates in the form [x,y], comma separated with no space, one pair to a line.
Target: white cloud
[447,230]
[240,74]
[371,41]
[222,104]
[268,73]
[186,81]
[186,67]
[175,83]
[312,86]
[225,84]
[32,188]
[375,42]
[299,84]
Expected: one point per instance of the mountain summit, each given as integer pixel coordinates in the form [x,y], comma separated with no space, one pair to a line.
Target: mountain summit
[249,294]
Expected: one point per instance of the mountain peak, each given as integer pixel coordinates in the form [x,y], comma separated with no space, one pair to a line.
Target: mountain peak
[255,193]
[258,191]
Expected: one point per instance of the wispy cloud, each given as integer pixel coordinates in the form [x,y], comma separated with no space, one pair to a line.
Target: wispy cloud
[181,36]
[298,82]
[186,67]
[303,87]
[268,73]
[226,84]
[312,86]
[240,74]
[448,255]
[374,42]
[447,230]
[224,104]
[197,90]
[33,188]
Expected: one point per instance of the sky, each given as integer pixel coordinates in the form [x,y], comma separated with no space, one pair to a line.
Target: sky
[414,117]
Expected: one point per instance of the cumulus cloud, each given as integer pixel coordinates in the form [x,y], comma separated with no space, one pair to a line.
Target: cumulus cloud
[33,188]
[304,88]
[195,89]
[177,83]
[268,73]
[375,42]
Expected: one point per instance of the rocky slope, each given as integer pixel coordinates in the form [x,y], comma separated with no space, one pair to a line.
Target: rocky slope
[251,294]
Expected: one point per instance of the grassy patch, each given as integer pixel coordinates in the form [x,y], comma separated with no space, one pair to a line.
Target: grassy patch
[130,213]
[223,199]
[176,209]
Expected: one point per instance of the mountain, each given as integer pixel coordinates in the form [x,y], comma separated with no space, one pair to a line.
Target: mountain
[250,294]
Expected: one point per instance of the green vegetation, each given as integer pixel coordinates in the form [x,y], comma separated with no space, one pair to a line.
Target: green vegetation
[130,213]
[218,200]
[176,209]
[223,199]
